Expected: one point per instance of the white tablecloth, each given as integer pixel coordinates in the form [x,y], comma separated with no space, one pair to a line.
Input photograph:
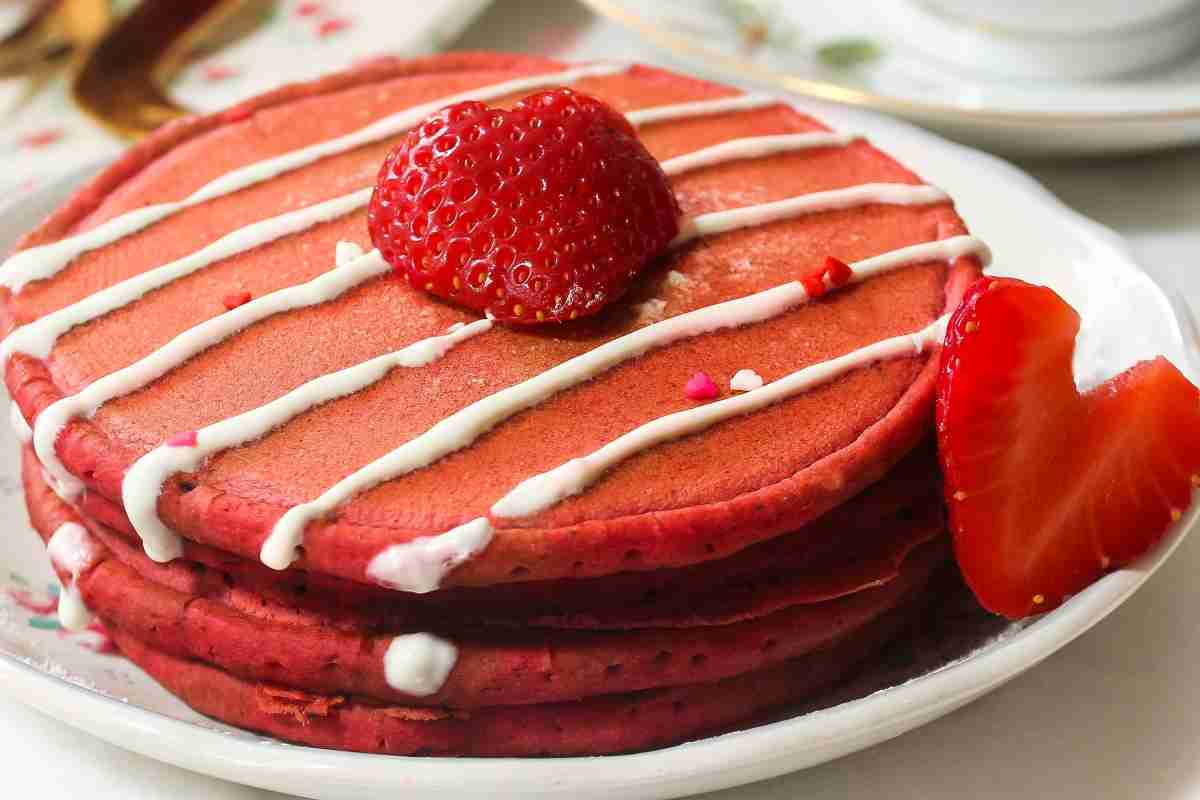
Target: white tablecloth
[1114,715]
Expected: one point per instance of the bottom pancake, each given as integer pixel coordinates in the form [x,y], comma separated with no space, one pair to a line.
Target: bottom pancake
[596,726]
[261,641]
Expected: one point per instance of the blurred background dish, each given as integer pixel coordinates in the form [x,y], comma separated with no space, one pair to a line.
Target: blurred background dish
[132,65]
[877,54]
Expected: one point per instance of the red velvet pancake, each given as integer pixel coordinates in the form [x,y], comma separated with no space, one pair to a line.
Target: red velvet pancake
[696,499]
[503,665]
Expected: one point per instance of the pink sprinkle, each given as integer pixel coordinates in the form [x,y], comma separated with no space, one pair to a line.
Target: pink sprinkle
[42,138]
[332,26]
[700,387]
[308,9]
[30,602]
[235,299]
[185,439]
[218,72]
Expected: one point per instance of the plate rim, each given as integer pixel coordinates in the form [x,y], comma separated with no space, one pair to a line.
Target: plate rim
[708,764]
[682,45]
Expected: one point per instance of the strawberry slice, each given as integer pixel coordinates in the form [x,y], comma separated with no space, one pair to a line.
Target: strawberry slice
[1049,489]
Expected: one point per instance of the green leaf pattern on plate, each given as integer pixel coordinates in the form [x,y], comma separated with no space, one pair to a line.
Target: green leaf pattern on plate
[849,53]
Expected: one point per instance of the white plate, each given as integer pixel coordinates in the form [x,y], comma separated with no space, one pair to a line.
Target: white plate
[1033,235]
[861,52]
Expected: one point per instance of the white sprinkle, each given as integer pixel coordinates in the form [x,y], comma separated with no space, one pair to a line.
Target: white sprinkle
[345,252]
[745,380]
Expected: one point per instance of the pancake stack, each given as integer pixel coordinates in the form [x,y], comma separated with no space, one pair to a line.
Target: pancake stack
[481,546]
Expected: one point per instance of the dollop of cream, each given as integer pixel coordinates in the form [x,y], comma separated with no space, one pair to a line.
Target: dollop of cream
[419,663]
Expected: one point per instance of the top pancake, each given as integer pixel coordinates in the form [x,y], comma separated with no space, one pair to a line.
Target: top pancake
[693,499]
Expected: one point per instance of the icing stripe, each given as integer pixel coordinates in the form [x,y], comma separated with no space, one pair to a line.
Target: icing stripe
[418,663]
[700,108]
[38,263]
[900,194]
[72,549]
[38,337]
[51,421]
[543,491]
[755,147]
[143,482]
[463,427]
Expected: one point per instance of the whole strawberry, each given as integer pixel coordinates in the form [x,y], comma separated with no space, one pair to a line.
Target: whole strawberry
[545,212]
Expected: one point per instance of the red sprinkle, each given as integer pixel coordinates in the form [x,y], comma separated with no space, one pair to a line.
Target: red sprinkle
[834,274]
[235,299]
[238,113]
[701,387]
[185,439]
[308,9]
[332,26]
[31,602]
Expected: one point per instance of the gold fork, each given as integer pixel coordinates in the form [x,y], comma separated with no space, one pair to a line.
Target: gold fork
[121,82]
[54,36]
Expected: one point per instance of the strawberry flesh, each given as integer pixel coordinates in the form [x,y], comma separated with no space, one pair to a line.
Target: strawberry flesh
[1049,489]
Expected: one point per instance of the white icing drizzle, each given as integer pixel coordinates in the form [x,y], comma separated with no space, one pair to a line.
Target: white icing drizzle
[700,108]
[543,491]
[745,380]
[38,337]
[51,421]
[19,425]
[462,428]
[72,549]
[143,482]
[44,261]
[418,663]
[346,252]
[755,147]
[897,194]
[419,566]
